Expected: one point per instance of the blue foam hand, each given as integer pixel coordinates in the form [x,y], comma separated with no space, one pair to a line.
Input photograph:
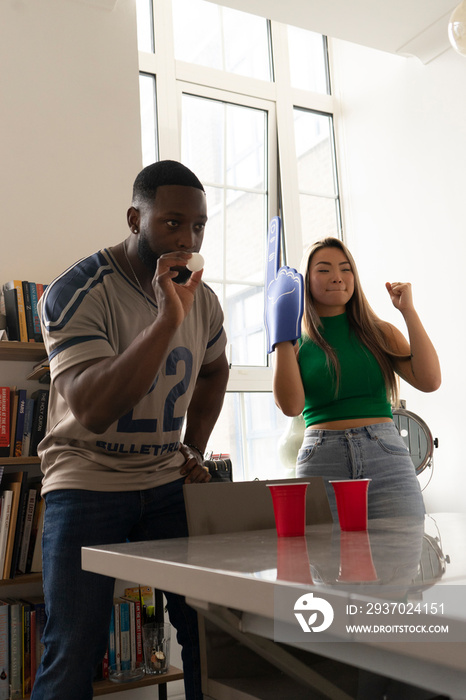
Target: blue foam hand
[284,294]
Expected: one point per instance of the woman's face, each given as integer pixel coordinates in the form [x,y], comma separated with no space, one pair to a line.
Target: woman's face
[331,281]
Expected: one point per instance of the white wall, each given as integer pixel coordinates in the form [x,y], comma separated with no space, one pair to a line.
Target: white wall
[70,131]
[402,133]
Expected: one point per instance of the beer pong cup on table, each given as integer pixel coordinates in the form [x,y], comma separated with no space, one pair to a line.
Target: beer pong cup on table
[289,507]
[351,497]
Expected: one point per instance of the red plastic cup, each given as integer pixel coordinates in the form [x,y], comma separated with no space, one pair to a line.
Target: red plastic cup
[351,496]
[289,507]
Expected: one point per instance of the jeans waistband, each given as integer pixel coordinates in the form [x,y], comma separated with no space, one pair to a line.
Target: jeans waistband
[371,430]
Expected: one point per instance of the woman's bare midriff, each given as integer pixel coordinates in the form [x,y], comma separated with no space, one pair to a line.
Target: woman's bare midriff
[344,424]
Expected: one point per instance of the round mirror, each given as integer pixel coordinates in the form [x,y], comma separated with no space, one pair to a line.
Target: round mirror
[417,437]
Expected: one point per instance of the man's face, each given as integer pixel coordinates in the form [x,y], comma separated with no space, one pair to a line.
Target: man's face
[174,221]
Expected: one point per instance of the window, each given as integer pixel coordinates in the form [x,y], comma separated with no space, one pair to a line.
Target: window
[246,104]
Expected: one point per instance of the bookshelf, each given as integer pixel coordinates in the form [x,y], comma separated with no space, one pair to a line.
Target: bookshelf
[15,351]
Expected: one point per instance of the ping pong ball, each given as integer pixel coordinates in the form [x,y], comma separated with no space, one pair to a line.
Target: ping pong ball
[195,263]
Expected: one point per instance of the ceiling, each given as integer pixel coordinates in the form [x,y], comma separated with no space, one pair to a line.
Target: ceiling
[404,27]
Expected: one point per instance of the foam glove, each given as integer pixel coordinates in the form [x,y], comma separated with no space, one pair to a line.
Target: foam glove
[284,294]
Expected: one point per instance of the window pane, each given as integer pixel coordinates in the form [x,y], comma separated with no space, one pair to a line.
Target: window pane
[144,24]
[308,60]
[221,38]
[319,218]
[315,152]
[225,145]
[148,119]
[249,429]
[244,313]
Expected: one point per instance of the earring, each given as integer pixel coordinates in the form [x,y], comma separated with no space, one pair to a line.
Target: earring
[135,230]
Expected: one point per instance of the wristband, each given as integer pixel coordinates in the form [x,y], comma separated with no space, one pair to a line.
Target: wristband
[193,447]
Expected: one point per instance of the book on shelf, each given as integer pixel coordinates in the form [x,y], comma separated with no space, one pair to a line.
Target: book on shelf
[14,483]
[17,285]
[4,651]
[13,416]
[5,435]
[15,634]
[22,318]
[20,415]
[26,647]
[19,525]
[11,312]
[39,421]
[125,636]
[135,611]
[5,505]
[28,418]
[26,530]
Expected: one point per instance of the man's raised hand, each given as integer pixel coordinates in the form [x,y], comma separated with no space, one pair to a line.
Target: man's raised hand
[284,294]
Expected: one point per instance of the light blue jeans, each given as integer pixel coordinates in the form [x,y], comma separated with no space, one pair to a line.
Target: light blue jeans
[78,603]
[375,452]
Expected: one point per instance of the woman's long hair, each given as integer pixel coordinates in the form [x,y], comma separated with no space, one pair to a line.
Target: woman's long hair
[362,319]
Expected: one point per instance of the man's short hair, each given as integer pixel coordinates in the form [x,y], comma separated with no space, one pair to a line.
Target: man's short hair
[164,172]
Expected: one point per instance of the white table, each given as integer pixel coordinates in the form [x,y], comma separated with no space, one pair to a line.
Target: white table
[246,582]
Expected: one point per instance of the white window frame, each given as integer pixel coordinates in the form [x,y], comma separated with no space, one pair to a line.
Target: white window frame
[277,97]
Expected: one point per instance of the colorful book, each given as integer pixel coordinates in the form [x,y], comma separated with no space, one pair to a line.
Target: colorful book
[125,637]
[5,421]
[20,414]
[13,415]
[111,641]
[4,651]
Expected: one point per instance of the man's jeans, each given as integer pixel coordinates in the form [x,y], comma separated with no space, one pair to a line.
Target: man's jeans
[79,603]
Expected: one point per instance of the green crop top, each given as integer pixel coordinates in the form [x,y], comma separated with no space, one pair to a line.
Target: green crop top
[362,392]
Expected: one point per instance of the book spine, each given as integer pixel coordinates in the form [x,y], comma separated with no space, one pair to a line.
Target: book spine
[132,632]
[4,526]
[28,311]
[26,620]
[39,421]
[30,508]
[138,629]
[125,642]
[28,416]
[116,608]
[23,329]
[35,315]
[15,651]
[4,421]
[4,653]
[20,422]
[32,625]
[11,310]
[111,641]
